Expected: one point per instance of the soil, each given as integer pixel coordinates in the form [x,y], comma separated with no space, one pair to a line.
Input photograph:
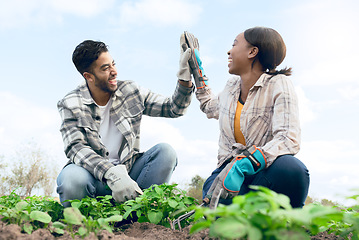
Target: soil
[133,231]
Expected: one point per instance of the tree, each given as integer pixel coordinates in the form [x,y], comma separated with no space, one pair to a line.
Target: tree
[31,170]
[195,188]
[3,167]
[327,202]
[309,200]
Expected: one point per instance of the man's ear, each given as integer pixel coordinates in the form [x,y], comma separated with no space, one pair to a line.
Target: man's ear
[88,76]
[253,52]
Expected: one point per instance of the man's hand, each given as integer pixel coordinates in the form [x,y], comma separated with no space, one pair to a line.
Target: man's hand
[122,186]
[229,181]
[195,61]
[184,72]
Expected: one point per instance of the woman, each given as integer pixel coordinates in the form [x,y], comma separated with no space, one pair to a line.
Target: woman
[258,112]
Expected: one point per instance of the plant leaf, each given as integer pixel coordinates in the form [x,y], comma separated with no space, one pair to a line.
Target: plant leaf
[254,233]
[40,216]
[21,205]
[284,234]
[159,190]
[200,226]
[114,218]
[155,216]
[173,203]
[76,204]
[28,228]
[228,228]
[58,227]
[73,216]
[82,231]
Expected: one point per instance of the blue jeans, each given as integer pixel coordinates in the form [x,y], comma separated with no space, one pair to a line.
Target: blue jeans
[155,166]
[287,175]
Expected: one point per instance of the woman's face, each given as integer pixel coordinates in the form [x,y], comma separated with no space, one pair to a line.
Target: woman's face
[238,56]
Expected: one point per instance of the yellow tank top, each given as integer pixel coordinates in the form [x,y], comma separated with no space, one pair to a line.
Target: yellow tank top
[238,135]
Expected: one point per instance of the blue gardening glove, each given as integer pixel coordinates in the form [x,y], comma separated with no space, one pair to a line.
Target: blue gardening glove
[195,61]
[229,181]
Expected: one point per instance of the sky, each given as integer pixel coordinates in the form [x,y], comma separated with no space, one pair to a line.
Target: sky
[39,36]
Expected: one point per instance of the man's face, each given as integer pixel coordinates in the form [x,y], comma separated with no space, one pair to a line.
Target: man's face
[104,74]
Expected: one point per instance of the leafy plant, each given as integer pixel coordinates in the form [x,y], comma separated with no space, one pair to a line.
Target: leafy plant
[260,214]
[99,207]
[349,227]
[73,217]
[29,213]
[160,204]
[264,214]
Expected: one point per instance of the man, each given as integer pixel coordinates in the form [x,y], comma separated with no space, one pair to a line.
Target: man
[101,129]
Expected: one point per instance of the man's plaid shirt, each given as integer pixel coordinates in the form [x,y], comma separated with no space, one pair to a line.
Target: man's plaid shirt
[81,121]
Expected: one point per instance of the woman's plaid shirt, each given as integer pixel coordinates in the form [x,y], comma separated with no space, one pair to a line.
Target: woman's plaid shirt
[269,117]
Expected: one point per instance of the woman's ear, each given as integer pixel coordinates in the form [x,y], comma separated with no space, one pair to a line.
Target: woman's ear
[253,52]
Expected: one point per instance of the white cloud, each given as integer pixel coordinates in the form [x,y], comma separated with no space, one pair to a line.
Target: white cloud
[306,112]
[23,121]
[85,8]
[349,92]
[332,166]
[195,156]
[342,180]
[19,13]
[159,13]
[326,34]
[330,155]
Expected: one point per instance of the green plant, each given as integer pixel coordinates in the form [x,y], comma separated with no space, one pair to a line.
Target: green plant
[86,225]
[260,214]
[48,205]
[160,204]
[29,213]
[99,207]
[264,214]
[350,224]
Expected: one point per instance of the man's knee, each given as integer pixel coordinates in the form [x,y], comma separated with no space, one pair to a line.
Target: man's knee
[74,182]
[167,153]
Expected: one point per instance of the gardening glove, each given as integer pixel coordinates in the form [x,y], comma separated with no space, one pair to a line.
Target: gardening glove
[229,181]
[195,61]
[122,186]
[184,72]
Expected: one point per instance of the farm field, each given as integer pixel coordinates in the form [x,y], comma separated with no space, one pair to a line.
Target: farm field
[147,231]
[261,214]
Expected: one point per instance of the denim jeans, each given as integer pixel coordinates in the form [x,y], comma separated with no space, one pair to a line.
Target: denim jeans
[287,175]
[155,166]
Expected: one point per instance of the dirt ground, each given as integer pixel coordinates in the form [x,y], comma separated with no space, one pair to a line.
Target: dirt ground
[130,231]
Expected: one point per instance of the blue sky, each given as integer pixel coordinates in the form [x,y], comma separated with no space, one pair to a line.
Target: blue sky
[38,38]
